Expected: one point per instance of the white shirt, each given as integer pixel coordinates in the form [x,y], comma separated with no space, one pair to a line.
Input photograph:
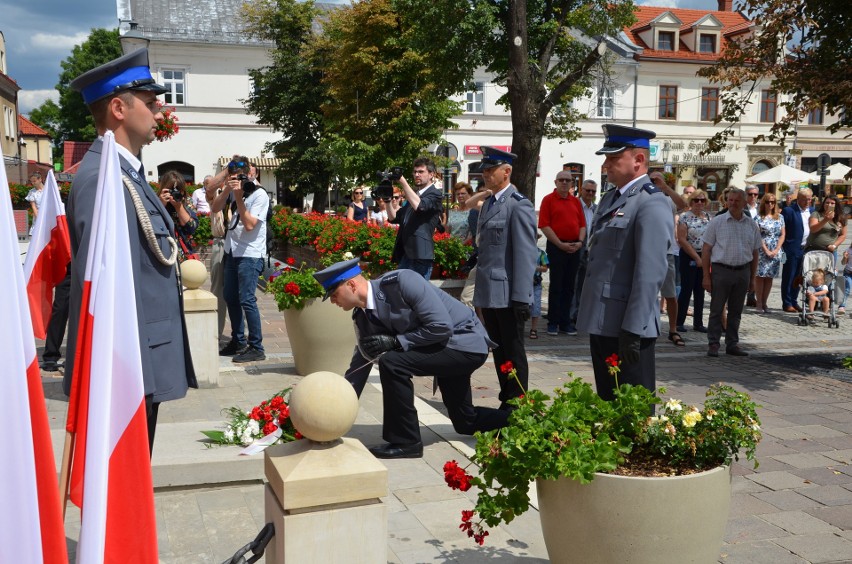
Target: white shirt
[589,212]
[806,216]
[128,156]
[199,201]
[241,242]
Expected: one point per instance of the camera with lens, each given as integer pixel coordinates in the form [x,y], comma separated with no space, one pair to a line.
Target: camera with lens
[240,167]
[394,174]
[384,191]
[177,195]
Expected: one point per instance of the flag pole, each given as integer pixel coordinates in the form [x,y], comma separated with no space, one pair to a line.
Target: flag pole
[65,471]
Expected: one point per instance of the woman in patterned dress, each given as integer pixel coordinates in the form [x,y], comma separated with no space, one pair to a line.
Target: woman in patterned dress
[771,226]
[690,230]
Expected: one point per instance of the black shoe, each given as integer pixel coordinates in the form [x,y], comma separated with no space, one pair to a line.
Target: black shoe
[699,328]
[398,451]
[751,301]
[735,351]
[251,354]
[233,348]
[50,366]
[713,350]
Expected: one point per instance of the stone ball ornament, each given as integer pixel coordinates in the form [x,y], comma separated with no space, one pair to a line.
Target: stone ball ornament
[323,406]
[193,273]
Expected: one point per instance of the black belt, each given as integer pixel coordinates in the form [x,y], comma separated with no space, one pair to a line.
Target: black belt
[729,267]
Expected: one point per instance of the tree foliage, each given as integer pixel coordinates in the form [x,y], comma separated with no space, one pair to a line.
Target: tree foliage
[70,119]
[378,81]
[801,49]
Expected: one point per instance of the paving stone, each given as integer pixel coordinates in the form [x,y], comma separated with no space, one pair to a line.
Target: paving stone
[824,476]
[799,523]
[842,456]
[805,460]
[751,528]
[778,480]
[828,495]
[787,500]
[743,505]
[839,516]
[759,552]
[819,548]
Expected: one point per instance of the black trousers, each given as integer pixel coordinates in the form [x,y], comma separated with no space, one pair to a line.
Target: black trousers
[152,409]
[452,369]
[642,373]
[508,332]
[563,276]
[58,320]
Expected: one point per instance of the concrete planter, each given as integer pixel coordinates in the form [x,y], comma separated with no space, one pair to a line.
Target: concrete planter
[321,336]
[628,520]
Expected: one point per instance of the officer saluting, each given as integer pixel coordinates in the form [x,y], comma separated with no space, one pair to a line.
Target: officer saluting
[505,269]
[630,234]
[411,328]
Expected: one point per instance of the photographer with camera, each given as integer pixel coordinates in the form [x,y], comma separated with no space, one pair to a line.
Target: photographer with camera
[173,195]
[245,245]
[414,248]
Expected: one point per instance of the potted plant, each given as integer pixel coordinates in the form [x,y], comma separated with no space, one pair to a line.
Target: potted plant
[632,481]
[321,334]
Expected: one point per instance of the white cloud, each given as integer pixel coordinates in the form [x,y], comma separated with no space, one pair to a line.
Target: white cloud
[57,42]
[30,99]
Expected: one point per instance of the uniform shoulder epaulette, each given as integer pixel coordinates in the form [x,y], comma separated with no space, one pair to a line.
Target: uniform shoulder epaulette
[518,196]
[650,188]
[392,278]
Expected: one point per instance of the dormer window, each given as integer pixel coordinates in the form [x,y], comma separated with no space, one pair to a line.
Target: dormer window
[707,43]
[665,40]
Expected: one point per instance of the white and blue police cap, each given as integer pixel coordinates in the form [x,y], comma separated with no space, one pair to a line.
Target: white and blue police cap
[621,137]
[336,274]
[129,72]
[491,157]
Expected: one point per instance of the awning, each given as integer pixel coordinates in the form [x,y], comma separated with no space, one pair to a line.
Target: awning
[259,162]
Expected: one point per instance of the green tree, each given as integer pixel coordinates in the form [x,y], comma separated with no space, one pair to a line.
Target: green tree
[70,119]
[802,50]
[288,92]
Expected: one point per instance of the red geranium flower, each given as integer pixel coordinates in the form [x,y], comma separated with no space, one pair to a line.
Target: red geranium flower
[507,367]
[291,261]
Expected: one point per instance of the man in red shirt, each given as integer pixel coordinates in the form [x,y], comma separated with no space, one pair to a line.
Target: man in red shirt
[563,223]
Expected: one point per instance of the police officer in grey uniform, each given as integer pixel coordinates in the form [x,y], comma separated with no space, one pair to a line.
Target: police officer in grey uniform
[411,328]
[505,269]
[631,233]
[122,97]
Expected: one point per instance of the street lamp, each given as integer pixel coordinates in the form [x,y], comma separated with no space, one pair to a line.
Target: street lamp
[666,150]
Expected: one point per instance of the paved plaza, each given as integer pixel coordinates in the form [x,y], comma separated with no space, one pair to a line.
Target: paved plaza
[794,509]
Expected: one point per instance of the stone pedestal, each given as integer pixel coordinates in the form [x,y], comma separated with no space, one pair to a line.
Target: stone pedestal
[324,499]
[202,327]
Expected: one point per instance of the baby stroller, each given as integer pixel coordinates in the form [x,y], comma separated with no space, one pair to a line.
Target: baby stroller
[815,260]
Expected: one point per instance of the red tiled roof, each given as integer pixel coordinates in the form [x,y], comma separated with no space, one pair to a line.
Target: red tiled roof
[26,127]
[732,22]
[73,152]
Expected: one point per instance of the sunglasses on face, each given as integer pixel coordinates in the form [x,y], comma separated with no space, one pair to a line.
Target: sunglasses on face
[563,180]
[590,191]
[700,200]
[358,193]
[396,197]
[750,194]
[770,202]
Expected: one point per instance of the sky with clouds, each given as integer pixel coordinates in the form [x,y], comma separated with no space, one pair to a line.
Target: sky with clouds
[41,33]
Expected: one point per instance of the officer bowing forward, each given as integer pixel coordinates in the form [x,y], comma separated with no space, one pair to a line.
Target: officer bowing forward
[411,328]
[631,233]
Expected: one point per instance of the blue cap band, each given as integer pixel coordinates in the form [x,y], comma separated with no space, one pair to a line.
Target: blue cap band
[345,275]
[128,78]
[638,142]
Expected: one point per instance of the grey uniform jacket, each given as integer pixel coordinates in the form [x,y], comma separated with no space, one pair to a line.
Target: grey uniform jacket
[507,251]
[166,362]
[414,239]
[627,265]
[418,314]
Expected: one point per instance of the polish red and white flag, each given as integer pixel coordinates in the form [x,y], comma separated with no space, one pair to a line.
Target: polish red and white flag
[111,468]
[31,528]
[48,255]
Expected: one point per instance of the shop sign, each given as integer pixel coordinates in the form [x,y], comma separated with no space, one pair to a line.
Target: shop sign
[474,149]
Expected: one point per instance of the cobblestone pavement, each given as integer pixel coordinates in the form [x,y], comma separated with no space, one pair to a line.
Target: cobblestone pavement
[795,508]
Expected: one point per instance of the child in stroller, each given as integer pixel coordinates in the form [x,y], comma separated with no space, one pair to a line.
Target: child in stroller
[817,291]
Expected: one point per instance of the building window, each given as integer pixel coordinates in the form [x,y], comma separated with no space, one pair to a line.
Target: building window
[707,43]
[709,104]
[606,105]
[668,102]
[768,104]
[665,41]
[9,121]
[474,99]
[815,116]
[175,81]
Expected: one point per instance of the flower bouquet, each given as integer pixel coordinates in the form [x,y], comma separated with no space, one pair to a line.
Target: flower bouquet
[167,127]
[244,427]
[576,434]
[293,287]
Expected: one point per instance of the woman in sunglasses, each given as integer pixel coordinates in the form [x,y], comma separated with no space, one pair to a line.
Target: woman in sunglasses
[771,226]
[690,230]
[357,210]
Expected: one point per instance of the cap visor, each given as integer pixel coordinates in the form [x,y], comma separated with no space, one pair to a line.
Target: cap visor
[609,150]
[153,87]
